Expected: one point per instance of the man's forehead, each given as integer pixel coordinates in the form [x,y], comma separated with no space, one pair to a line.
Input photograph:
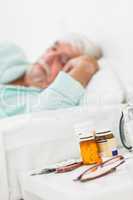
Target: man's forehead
[62,44]
[66,47]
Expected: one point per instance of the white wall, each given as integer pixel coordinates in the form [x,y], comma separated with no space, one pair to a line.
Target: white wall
[34,23]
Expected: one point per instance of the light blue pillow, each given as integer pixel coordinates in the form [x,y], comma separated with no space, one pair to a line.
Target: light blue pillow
[13,62]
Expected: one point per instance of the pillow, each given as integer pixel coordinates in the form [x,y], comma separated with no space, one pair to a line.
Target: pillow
[104,87]
[125,72]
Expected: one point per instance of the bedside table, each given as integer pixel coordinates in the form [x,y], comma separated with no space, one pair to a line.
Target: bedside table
[118,185]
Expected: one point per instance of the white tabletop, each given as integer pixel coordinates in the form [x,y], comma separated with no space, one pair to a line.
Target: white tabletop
[118,185]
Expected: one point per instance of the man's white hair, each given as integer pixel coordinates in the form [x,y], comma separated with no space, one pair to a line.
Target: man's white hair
[85,46]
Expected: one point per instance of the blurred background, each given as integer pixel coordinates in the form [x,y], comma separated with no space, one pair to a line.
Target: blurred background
[33,24]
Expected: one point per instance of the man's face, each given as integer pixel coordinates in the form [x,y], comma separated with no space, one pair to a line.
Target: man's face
[54,59]
[60,53]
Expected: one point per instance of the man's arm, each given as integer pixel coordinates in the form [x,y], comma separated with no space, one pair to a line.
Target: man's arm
[68,89]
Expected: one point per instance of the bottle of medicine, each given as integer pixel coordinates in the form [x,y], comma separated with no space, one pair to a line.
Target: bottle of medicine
[88,146]
[107,144]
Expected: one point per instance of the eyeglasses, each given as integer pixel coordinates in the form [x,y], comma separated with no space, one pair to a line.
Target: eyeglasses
[100,170]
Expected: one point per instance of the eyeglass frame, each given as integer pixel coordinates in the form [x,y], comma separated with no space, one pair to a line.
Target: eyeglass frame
[95,167]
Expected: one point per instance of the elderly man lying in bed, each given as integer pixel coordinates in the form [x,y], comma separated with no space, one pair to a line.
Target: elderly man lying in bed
[57,80]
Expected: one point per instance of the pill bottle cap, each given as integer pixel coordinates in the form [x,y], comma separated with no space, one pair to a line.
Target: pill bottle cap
[103,132]
[85,130]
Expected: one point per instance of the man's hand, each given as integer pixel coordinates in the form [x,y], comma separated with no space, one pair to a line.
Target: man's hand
[82,69]
[89,63]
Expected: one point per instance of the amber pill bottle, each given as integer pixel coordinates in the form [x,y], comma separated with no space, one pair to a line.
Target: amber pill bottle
[88,146]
